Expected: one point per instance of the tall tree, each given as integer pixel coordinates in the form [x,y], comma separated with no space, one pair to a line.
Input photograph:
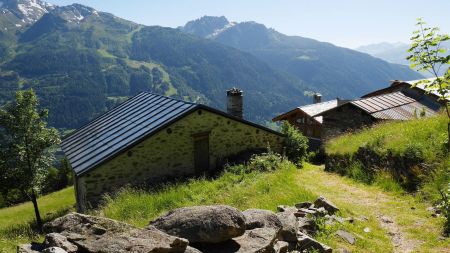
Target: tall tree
[27,142]
[427,54]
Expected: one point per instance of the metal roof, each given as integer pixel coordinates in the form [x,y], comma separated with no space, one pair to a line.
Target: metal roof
[121,127]
[395,106]
[126,125]
[383,102]
[313,109]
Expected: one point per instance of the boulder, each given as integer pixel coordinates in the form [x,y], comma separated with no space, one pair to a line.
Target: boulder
[307,225]
[58,240]
[306,243]
[289,227]
[258,240]
[325,203]
[96,234]
[346,236]
[54,250]
[281,247]
[203,224]
[30,248]
[258,218]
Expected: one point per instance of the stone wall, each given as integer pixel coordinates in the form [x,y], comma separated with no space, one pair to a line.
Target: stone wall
[170,154]
[343,119]
[408,168]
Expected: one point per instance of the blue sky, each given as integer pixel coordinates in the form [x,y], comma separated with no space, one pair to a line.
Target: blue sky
[348,23]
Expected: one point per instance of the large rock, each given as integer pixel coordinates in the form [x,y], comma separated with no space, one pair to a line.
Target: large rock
[346,236]
[307,225]
[203,224]
[306,244]
[325,203]
[30,248]
[54,250]
[58,240]
[95,234]
[258,240]
[258,218]
[281,247]
[289,227]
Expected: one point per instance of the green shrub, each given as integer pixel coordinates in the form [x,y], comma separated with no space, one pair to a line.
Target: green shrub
[357,171]
[295,143]
[265,162]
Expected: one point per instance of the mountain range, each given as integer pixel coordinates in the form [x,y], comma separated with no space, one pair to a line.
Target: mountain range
[333,71]
[395,53]
[82,62]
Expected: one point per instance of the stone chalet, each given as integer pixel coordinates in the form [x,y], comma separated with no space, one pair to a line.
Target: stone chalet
[150,138]
[400,101]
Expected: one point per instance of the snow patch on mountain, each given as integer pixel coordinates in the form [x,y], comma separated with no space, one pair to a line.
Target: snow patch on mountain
[28,10]
[217,32]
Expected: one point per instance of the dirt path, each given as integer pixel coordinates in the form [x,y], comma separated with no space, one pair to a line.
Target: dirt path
[400,220]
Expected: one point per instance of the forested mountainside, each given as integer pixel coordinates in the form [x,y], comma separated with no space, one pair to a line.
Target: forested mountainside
[331,70]
[82,62]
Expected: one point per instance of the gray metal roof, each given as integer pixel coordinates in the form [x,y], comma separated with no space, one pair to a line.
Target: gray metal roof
[314,109]
[126,125]
[395,106]
[120,128]
[383,102]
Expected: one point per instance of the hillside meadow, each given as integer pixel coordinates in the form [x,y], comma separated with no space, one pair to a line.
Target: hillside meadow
[287,185]
[423,140]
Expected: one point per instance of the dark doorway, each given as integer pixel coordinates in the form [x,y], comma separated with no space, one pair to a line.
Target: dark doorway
[201,153]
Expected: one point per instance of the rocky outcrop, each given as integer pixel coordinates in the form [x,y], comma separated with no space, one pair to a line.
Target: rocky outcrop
[83,233]
[218,229]
[203,224]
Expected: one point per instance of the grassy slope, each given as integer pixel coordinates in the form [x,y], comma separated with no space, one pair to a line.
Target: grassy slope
[428,135]
[265,190]
[16,222]
[287,186]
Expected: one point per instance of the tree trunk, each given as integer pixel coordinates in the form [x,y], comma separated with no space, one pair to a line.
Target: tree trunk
[36,210]
[448,135]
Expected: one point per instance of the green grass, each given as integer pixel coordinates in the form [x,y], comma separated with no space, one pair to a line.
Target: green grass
[425,138]
[287,185]
[254,190]
[17,222]
[428,135]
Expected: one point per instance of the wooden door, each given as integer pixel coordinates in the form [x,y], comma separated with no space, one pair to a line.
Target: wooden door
[201,153]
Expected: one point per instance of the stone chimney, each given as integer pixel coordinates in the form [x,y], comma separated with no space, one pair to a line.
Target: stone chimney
[235,105]
[317,98]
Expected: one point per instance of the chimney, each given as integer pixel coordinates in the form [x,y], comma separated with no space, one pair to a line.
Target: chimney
[317,98]
[235,104]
